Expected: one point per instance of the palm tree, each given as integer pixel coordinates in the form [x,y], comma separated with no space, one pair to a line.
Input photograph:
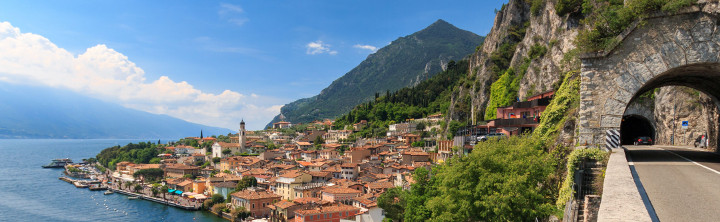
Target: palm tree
[154,191]
[128,184]
[138,188]
[164,190]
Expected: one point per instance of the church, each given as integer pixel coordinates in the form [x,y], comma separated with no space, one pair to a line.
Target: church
[235,145]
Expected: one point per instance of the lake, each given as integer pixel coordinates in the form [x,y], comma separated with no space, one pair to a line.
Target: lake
[29,192]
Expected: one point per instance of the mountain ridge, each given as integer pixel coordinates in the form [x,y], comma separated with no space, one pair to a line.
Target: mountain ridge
[406,61]
[33,112]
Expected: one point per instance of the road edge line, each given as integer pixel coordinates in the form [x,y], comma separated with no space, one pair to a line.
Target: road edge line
[641,189]
[689,160]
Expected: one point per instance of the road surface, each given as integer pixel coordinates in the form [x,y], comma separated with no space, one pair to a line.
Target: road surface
[681,183]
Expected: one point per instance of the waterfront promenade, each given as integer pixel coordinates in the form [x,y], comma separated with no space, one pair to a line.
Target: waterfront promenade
[168,199]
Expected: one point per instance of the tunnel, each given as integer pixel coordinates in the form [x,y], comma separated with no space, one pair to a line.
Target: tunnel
[634,126]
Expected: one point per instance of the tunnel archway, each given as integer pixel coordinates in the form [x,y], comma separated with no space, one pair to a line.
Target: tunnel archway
[634,126]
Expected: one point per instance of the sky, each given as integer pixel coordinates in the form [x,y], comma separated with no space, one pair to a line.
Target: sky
[209,62]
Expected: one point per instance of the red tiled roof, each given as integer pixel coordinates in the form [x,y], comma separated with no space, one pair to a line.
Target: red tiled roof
[254,195]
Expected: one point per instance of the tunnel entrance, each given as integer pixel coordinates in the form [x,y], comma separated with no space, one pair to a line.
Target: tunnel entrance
[634,126]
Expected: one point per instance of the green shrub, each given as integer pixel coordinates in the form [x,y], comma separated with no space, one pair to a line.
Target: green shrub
[565,99]
[576,156]
[537,51]
[567,6]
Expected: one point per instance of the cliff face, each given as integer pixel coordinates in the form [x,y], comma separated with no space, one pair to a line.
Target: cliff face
[692,106]
[543,29]
[528,30]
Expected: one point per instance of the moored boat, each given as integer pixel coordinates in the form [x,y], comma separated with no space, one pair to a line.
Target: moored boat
[108,192]
[58,163]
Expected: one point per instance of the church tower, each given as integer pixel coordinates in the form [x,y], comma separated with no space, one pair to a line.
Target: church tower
[241,135]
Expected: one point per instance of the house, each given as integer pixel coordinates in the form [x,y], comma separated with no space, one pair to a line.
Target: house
[198,186]
[283,210]
[223,188]
[286,183]
[135,167]
[332,213]
[240,163]
[360,125]
[401,128]
[349,171]
[521,117]
[180,170]
[358,154]
[444,150]
[320,176]
[335,136]
[409,138]
[258,202]
[340,194]
[304,145]
[378,187]
[219,147]
[329,154]
[408,157]
[282,125]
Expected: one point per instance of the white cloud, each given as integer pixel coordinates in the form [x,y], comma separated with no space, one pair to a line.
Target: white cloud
[104,73]
[366,47]
[233,14]
[226,8]
[318,47]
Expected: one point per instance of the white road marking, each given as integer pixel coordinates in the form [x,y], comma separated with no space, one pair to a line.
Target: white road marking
[696,163]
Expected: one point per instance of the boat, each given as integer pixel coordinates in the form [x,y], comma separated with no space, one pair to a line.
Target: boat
[132,198]
[108,192]
[58,163]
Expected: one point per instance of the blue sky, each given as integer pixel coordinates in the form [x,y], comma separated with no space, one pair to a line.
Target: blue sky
[257,55]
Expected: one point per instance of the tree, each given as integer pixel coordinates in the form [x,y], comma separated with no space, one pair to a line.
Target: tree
[501,180]
[152,174]
[393,203]
[164,190]
[226,151]
[218,207]
[154,191]
[420,143]
[318,141]
[420,126]
[217,198]
[247,181]
[216,159]
[138,188]
[239,214]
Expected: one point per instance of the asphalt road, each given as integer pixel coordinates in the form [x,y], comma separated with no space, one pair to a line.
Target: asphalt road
[679,189]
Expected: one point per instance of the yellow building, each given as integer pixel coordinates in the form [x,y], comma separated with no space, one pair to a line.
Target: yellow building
[286,184]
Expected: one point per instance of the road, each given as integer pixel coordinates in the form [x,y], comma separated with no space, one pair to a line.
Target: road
[682,183]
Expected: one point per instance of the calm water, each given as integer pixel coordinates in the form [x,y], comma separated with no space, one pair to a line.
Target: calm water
[31,193]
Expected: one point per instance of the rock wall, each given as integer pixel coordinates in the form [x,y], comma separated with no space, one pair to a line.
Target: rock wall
[692,106]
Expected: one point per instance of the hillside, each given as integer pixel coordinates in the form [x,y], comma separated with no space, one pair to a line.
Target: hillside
[39,112]
[405,62]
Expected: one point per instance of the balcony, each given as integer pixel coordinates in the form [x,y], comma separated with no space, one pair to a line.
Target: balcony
[515,122]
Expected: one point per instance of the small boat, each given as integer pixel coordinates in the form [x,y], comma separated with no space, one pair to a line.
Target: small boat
[58,163]
[108,192]
[132,198]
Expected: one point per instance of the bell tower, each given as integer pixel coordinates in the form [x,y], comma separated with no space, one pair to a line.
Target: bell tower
[241,135]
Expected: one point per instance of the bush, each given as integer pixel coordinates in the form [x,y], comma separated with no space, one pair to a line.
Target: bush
[217,198]
[503,180]
[218,208]
[576,156]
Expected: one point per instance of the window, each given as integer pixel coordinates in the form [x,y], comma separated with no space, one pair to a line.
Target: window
[253,206]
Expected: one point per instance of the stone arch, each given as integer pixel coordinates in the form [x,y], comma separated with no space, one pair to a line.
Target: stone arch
[633,126]
[680,49]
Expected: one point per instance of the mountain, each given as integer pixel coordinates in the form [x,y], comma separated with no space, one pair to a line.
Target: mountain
[404,62]
[41,112]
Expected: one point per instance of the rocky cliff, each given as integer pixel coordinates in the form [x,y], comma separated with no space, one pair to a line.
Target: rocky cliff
[529,50]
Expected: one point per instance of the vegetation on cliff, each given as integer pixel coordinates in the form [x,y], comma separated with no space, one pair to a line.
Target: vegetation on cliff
[429,97]
[606,19]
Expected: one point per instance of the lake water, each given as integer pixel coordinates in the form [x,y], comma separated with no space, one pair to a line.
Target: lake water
[31,193]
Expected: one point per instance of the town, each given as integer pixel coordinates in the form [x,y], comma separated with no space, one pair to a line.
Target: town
[303,172]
